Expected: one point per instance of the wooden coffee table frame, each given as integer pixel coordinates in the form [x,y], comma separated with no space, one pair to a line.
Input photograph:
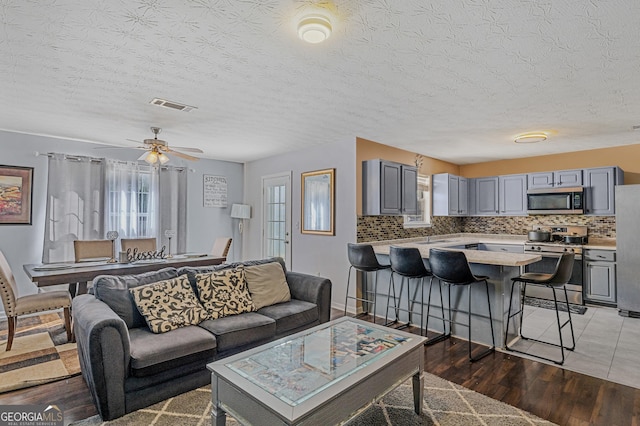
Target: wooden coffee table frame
[337,403]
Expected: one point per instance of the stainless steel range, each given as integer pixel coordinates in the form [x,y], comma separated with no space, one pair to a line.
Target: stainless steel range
[563,238]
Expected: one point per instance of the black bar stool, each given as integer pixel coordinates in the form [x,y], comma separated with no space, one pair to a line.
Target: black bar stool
[554,281]
[451,267]
[408,263]
[363,258]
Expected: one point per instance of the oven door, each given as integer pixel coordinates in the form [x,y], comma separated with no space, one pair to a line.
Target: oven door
[547,266]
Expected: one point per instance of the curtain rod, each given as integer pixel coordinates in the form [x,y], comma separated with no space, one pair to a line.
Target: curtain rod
[100,160]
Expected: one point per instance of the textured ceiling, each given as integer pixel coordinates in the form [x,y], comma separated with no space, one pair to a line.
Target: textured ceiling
[454,80]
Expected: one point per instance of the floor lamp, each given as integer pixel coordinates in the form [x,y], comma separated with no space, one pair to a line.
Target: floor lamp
[241,212]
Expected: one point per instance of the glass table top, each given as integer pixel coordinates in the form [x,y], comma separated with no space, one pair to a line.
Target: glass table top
[301,367]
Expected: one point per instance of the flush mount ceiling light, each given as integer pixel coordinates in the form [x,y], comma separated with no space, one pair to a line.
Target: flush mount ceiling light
[314,28]
[531,137]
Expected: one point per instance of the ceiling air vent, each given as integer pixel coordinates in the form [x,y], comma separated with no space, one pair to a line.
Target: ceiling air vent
[172,105]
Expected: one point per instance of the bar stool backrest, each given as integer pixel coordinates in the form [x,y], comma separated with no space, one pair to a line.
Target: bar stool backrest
[407,261]
[564,269]
[450,266]
[362,257]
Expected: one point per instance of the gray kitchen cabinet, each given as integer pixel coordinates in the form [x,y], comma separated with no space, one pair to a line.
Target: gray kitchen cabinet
[600,276]
[505,248]
[556,179]
[512,195]
[409,190]
[600,185]
[388,188]
[450,195]
[483,196]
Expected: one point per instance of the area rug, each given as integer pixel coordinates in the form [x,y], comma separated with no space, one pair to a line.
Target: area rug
[548,304]
[40,353]
[445,403]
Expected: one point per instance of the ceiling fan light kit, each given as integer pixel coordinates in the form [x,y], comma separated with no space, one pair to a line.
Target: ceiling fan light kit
[158,149]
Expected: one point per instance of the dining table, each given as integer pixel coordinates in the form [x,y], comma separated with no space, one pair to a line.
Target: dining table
[77,275]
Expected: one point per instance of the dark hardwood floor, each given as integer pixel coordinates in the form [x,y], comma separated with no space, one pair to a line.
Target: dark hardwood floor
[560,396]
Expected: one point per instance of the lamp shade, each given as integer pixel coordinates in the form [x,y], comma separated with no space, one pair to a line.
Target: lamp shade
[241,211]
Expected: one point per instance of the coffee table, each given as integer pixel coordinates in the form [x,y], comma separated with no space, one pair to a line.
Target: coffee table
[322,376]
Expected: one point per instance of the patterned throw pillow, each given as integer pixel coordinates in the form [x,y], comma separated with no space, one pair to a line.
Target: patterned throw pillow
[224,292]
[167,305]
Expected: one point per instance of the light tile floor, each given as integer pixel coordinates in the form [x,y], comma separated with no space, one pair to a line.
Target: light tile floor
[607,345]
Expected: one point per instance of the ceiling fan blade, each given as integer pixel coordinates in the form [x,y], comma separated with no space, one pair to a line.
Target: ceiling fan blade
[133,140]
[181,155]
[187,149]
[142,157]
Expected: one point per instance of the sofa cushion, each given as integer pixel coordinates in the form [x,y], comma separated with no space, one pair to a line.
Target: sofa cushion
[291,315]
[167,305]
[224,292]
[240,330]
[267,284]
[153,353]
[114,291]
[193,271]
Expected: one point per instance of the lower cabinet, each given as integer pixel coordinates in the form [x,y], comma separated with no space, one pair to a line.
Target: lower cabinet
[600,276]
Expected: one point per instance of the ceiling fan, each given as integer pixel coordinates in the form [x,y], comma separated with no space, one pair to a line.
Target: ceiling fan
[157,150]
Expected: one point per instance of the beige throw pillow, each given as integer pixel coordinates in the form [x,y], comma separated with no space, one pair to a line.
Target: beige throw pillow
[267,284]
[224,292]
[167,305]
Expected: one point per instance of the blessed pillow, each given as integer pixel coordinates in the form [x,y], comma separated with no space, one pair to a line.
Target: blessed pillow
[224,293]
[167,305]
[267,284]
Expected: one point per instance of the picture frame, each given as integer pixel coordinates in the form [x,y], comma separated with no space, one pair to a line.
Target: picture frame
[16,195]
[318,202]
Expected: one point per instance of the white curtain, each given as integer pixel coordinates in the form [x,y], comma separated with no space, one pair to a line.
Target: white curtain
[318,198]
[75,206]
[131,199]
[173,207]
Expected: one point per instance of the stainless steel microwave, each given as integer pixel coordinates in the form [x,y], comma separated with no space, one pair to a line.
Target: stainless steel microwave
[556,201]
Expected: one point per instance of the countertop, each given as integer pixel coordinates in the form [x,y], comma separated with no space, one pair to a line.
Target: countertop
[481,256]
[473,256]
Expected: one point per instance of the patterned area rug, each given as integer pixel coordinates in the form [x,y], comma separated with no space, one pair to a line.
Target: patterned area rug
[40,353]
[445,403]
[548,304]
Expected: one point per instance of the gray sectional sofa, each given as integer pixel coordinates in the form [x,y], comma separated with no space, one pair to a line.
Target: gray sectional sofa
[127,367]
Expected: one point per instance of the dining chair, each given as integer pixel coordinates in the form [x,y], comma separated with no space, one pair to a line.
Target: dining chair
[221,247]
[40,302]
[92,249]
[142,244]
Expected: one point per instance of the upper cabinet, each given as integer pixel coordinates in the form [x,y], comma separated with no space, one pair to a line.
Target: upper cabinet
[483,196]
[450,195]
[557,179]
[513,195]
[389,188]
[498,195]
[599,186]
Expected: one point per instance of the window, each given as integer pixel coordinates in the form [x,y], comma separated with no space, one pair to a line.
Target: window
[423,218]
[132,199]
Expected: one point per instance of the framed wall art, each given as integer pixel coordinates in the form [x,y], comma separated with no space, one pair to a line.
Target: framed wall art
[16,193]
[318,202]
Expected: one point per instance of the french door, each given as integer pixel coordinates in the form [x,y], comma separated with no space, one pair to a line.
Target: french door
[276,217]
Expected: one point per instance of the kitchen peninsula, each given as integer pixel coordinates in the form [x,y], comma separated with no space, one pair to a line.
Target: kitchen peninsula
[499,266]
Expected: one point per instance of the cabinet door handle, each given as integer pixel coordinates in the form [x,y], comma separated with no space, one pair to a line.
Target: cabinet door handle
[600,256]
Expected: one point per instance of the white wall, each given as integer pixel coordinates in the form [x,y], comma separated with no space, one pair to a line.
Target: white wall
[313,254]
[23,244]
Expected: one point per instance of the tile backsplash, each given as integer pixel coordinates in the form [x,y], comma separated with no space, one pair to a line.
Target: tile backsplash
[376,228]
